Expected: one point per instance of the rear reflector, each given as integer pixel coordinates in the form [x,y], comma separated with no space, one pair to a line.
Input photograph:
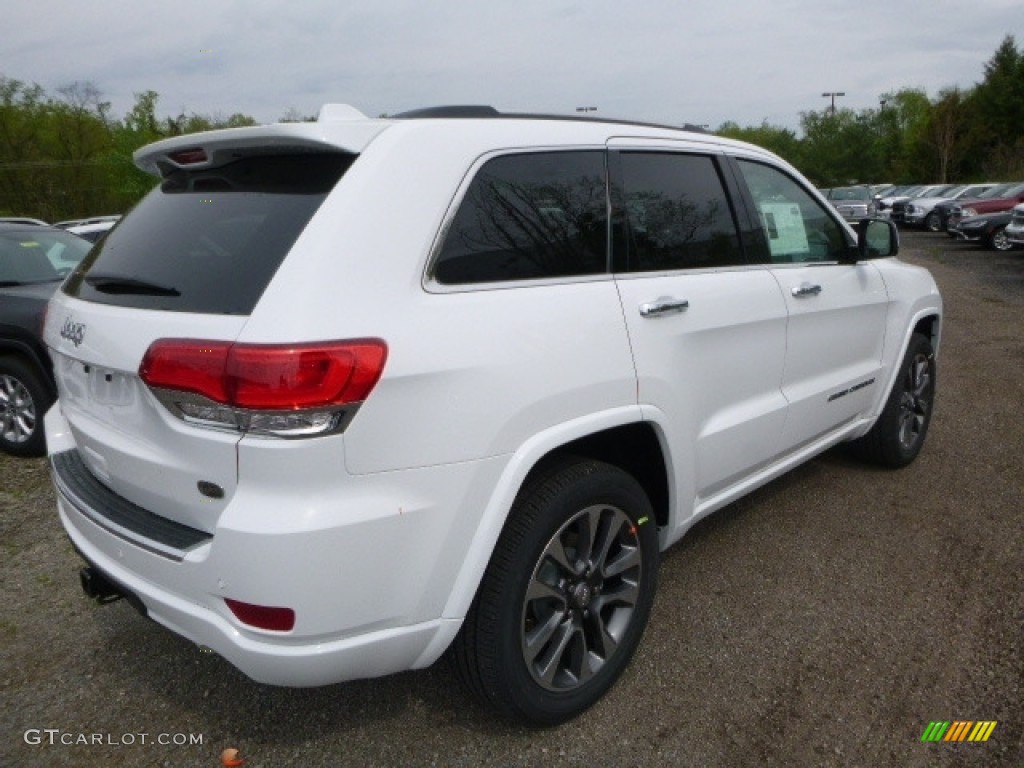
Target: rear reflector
[267,377]
[262,616]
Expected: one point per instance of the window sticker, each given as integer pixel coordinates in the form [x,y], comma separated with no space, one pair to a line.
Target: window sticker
[785,227]
[29,244]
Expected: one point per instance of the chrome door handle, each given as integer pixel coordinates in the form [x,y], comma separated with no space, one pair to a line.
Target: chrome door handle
[806,289]
[663,305]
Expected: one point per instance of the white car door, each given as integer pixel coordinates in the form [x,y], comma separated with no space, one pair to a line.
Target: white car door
[707,330]
[837,308]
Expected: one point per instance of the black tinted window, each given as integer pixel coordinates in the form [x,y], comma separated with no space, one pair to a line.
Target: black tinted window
[677,212]
[210,240]
[529,216]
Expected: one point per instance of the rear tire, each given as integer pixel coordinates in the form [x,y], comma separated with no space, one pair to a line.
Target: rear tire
[24,401]
[898,435]
[565,599]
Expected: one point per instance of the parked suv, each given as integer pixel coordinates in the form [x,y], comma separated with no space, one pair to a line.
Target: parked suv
[337,397]
[34,258]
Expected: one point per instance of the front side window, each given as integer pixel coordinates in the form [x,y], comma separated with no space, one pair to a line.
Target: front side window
[797,228]
[677,212]
[527,217]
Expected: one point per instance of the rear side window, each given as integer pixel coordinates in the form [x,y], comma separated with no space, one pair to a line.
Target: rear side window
[527,217]
[677,212]
[209,241]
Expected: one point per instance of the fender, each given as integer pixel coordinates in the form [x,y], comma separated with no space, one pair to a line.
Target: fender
[36,357]
[903,317]
[492,521]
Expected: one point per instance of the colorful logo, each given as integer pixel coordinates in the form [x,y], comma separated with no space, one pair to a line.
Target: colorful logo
[958,730]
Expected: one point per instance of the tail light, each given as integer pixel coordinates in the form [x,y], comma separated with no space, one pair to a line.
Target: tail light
[289,390]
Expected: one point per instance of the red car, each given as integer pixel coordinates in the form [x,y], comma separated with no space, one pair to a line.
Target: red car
[1011,197]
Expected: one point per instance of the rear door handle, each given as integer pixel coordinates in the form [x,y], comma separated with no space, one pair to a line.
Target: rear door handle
[806,289]
[663,305]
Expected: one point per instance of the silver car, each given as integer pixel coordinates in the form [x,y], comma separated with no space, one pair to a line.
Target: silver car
[853,203]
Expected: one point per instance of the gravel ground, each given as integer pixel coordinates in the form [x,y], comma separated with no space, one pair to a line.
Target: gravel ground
[824,620]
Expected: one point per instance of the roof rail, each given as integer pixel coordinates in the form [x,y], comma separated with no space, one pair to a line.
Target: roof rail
[457,110]
[483,111]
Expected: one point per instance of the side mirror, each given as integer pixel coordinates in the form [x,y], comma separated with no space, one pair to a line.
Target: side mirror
[877,238]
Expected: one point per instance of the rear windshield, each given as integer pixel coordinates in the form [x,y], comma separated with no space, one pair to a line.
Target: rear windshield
[209,241]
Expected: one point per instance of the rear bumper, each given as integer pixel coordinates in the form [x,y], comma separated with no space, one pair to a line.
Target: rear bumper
[285,660]
[368,563]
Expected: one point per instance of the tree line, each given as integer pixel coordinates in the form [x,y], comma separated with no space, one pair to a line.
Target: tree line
[961,135]
[64,155]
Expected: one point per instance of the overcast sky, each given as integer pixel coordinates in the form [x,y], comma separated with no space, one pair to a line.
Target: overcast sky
[669,61]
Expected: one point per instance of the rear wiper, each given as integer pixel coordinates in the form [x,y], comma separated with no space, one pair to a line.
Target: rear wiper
[125,284]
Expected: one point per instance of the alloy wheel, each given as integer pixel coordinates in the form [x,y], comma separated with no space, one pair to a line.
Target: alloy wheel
[1000,240]
[17,411]
[581,597]
[915,401]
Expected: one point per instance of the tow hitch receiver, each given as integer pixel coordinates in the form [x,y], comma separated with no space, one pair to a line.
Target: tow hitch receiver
[98,587]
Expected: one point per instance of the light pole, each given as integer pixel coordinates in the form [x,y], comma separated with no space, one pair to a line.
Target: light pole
[832,95]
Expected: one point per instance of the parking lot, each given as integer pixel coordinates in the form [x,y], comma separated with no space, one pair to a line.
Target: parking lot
[826,619]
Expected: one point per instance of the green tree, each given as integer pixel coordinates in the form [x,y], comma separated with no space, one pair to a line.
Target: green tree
[839,148]
[781,141]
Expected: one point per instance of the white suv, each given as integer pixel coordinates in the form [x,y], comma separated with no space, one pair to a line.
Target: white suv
[336,397]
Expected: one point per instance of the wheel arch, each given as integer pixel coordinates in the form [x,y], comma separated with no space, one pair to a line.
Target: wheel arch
[18,350]
[927,325]
[620,438]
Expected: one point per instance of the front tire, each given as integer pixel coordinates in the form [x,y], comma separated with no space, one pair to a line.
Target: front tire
[999,241]
[933,222]
[898,435]
[567,594]
[24,401]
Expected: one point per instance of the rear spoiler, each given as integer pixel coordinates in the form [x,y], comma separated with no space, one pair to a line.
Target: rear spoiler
[339,128]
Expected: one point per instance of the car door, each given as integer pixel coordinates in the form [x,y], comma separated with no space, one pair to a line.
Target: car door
[707,330]
[837,307]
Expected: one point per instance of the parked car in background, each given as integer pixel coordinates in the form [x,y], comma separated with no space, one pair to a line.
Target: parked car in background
[1015,229]
[92,232]
[33,261]
[985,205]
[920,211]
[945,208]
[853,203]
[986,229]
[885,201]
[23,220]
[899,205]
[67,223]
